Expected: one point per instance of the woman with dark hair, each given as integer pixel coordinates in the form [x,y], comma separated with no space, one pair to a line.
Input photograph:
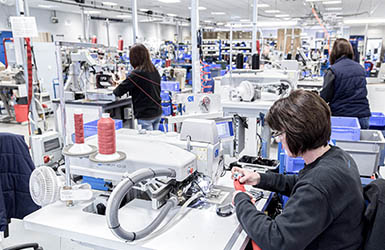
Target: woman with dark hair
[326,203]
[344,85]
[143,84]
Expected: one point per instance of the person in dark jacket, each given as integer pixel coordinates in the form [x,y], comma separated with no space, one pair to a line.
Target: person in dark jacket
[143,84]
[326,202]
[16,167]
[344,86]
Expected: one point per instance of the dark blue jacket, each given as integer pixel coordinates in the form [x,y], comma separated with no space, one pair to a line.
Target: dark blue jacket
[16,167]
[345,89]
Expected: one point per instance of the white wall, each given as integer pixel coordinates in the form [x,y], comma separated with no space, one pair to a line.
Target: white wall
[70,26]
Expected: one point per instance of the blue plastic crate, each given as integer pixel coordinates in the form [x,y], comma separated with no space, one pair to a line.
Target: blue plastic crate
[377,119]
[165,96]
[345,128]
[91,128]
[169,86]
[166,108]
[293,165]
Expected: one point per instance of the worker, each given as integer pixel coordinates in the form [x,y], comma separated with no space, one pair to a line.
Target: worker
[143,84]
[326,202]
[344,86]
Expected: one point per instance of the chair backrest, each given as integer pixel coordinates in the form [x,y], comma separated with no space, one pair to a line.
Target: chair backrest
[374,217]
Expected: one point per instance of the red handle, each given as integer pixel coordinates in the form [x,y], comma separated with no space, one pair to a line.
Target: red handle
[241,187]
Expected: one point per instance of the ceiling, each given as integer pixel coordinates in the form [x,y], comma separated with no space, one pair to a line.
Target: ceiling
[241,10]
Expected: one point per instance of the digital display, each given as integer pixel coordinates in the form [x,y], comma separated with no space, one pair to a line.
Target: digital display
[225,129]
[51,144]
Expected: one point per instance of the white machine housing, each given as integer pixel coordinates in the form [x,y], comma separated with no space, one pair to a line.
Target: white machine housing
[46,146]
[199,103]
[155,149]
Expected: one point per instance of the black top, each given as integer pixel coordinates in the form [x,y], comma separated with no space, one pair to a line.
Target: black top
[324,210]
[144,106]
[345,89]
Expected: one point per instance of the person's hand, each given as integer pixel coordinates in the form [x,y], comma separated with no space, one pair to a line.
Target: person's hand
[253,200]
[247,177]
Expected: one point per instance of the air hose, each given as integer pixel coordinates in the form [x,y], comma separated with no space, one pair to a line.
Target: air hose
[120,192]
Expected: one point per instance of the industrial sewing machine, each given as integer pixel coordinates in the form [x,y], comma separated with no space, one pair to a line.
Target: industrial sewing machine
[168,169]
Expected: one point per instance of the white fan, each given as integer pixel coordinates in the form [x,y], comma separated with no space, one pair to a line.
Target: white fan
[246,91]
[46,188]
[44,185]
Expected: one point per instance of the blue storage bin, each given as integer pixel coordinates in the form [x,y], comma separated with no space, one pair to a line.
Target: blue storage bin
[345,128]
[169,86]
[293,165]
[96,183]
[91,128]
[377,119]
[166,108]
[165,96]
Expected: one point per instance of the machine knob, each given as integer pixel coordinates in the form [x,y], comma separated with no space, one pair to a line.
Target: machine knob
[101,209]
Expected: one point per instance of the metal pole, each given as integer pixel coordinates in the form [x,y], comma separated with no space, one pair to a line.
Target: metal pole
[177,41]
[82,16]
[108,31]
[63,117]
[134,7]
[255,36]
[231,54]
[196,82]
[366,40]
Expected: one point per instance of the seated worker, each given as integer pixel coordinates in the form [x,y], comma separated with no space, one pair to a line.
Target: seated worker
[143,84]
[344,86]
[326,203]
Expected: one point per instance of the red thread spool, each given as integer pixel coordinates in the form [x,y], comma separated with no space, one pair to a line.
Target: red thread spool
[106,135]
[120,44]
[94,40]
[79,128]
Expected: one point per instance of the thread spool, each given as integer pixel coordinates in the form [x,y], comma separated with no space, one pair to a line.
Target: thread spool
[120,44]
[79,128]
[239,61]
[255,62]
[106,135]
[94,40]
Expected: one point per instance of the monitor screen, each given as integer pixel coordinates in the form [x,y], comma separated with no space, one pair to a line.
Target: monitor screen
[51,145]
[225,129]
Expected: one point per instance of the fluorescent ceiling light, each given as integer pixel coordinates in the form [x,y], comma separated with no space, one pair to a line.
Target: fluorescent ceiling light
[109,3]
[199,8]
[334,8]
[364,21]
[220,23]
[245,20]
[282,15]
[170,14]
[313,0]
[169,1]
[207,21]
[332,2]
[235,17]
[90,12]
[272,11]
[263,5]
[276,24]
[123,16]
[209,27]
[145,10]
[45,6]
[218,13]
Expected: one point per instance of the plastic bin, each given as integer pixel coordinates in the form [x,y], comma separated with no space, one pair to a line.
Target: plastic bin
[169,86]
[365,152]
[345,128]
[377,119]
[293,165]
[21,112]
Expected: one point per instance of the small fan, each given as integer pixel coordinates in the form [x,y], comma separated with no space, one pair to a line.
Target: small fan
[46,188]
[45,185]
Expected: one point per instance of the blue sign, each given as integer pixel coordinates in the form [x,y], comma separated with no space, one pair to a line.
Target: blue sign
[190,98]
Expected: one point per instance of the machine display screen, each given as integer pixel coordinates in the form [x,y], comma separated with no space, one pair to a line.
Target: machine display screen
[225,129]
[51,144]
